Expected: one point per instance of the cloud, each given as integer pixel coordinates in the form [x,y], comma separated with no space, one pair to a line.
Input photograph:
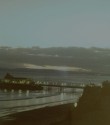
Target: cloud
[57,58]
[61,68]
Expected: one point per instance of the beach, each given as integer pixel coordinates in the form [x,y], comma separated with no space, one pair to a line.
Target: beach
[55,115]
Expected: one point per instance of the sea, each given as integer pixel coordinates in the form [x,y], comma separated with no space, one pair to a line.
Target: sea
[12,101]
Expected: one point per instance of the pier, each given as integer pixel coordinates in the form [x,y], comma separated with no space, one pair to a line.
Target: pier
[63,86]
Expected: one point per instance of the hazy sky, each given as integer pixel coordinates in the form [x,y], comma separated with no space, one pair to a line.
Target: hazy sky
[47,23]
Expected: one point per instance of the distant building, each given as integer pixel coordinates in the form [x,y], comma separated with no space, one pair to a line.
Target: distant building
[17,80]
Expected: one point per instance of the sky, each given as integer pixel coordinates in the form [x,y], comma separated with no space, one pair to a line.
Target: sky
[55,23]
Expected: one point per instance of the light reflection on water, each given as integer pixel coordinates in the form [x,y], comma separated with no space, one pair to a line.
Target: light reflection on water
[16,101]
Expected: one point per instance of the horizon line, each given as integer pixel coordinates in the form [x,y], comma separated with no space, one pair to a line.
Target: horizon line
[15,47]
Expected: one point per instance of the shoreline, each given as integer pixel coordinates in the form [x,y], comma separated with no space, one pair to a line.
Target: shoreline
[93,109]
[39,106]
[56,115]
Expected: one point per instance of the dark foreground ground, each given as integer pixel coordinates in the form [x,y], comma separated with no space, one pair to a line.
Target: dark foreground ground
[93,109]
[56,115]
